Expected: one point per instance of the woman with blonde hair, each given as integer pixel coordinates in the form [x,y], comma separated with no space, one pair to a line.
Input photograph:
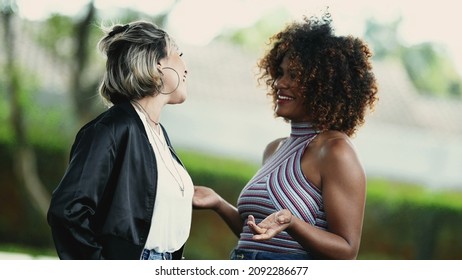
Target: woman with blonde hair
[125,193]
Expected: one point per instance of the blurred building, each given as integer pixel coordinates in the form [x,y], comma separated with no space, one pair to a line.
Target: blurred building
[408,137]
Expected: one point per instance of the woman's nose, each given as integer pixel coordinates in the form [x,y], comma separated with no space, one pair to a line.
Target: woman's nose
[280,83]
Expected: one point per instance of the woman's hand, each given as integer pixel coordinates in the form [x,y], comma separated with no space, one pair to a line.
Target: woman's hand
[205,198]
[271,226]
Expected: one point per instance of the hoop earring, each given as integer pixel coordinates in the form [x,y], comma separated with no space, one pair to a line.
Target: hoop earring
[177,85]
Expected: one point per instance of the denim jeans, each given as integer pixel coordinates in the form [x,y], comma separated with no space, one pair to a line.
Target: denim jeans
[153,255]
[238,254]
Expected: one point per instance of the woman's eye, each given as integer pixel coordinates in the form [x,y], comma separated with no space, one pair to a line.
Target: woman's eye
[293,75]
[279,73]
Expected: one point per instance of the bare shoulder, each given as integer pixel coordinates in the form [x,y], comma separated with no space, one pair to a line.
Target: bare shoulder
[338,157]
[335,145]
[272,147]
[336,151]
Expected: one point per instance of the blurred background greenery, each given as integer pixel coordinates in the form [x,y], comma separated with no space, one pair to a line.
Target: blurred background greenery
[49,74]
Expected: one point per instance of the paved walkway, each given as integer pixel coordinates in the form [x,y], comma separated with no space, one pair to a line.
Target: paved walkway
[18,256]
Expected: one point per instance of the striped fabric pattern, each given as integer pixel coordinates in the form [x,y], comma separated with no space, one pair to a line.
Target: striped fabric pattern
[281,184]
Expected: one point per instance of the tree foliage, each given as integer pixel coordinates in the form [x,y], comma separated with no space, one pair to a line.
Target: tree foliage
[432,71]
[37,121]
[255,37]
[428,64]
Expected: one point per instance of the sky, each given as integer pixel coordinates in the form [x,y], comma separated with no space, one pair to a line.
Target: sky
[199,21]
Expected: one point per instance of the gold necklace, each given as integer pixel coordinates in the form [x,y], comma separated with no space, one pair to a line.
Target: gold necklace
[181,186]
[144,112]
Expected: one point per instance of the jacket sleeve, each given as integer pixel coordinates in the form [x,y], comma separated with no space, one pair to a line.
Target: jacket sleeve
[73,205]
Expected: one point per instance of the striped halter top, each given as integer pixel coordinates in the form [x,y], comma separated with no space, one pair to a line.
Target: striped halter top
[281,184]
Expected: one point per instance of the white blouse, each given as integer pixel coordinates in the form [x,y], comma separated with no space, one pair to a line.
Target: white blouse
[171,220]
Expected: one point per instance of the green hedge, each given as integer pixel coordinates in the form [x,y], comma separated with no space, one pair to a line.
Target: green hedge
[210,237]
[402,221]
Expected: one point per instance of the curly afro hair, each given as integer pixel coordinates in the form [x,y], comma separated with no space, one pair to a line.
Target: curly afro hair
[333,73]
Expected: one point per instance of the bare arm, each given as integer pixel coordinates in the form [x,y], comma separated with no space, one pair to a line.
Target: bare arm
[206,198]
[344,195]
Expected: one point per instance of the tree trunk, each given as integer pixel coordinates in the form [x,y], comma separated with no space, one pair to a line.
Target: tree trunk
[80,93]
[24,156]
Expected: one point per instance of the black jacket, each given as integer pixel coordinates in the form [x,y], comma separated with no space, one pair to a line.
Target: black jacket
[103,206]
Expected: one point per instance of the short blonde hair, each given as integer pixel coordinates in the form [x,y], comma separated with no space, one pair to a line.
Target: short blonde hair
[133,52]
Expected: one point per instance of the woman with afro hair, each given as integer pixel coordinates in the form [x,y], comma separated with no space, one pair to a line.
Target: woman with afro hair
[307,201]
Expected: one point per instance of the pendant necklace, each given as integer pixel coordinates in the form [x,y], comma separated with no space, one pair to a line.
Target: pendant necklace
[145,113]
[154,135]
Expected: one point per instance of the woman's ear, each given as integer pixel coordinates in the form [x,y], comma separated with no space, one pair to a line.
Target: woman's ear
[159,68]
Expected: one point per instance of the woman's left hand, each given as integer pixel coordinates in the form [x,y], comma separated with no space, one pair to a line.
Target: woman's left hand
[271,226]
